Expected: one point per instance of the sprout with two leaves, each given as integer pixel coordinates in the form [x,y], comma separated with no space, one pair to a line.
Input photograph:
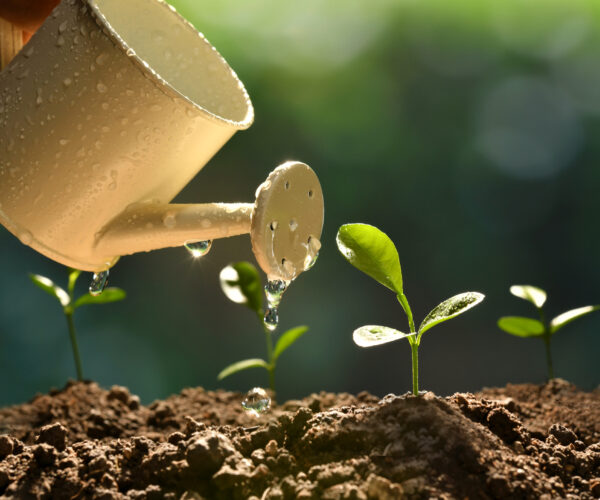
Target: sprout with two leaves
[372,252]
[69,303]
[241,284]
[528,327]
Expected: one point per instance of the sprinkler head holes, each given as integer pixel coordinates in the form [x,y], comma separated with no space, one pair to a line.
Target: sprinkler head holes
[287,221]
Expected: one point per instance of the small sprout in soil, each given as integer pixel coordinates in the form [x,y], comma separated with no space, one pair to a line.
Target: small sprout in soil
[528,327]
[257,401]
[241,284]
[372,252]
[69,303]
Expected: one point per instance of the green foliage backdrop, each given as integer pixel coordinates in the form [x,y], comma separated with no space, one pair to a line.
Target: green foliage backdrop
[468,131]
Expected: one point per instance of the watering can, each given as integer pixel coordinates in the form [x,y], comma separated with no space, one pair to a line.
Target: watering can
[106,114]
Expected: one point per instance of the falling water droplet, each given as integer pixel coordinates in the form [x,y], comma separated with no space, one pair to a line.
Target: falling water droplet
[198,248]
[271,319]
[274,290]
[257,401]
[98,283]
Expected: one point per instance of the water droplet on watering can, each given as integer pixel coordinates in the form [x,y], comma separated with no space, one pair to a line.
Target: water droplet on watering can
[98,283]
[310,260]
[274,290]
[198,248]
[312,252]
[271,319]
[102,58]
[25,237]
[257,401]
[169,220]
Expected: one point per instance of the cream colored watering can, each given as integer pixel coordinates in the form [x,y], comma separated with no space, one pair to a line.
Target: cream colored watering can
[106,114]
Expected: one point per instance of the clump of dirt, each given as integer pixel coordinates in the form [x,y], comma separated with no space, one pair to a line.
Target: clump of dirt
[521,441]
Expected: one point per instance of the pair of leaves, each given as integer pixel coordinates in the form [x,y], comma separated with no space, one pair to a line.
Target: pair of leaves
[285,340]
[527,327]
[370,335]
[372,251]
[109,295]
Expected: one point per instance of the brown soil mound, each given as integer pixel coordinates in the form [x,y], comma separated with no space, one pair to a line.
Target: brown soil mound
[521,441]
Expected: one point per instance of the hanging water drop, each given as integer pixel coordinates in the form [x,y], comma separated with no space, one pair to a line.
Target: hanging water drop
[310,260]
[98,283]
[271,319]
[257,401]
[312,252]
[198,248]
[314,245]
[274,290]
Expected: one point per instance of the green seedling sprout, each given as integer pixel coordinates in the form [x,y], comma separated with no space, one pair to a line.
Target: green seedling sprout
[241,284]
[70,304]
[373,252]
[528,327]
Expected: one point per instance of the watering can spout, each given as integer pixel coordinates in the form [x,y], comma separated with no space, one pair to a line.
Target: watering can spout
[284,223]
[151,226]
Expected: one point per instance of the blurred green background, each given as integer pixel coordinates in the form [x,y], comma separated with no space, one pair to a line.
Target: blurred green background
[468,131]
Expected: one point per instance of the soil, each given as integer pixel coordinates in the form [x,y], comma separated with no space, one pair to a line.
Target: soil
[520,441]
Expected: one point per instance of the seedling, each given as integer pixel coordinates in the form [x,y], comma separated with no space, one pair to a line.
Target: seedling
[241,284]
[372,252]
[70,304]
[528,327]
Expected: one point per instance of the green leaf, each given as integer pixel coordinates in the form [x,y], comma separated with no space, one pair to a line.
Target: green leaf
[372,252]
[521,327]
[241,284]
[370,335]
[108,295]
[51,288]
[449,309]
[243,365]
[533,294]
[287,339]
[566,317]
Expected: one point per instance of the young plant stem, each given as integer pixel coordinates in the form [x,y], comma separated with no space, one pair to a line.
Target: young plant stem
[72,334]
[546,337]
[414,347]
[414,343]
[73,275]
[405,305]
[548,355]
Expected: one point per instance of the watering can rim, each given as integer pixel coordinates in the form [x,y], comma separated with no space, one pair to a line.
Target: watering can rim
[164,84]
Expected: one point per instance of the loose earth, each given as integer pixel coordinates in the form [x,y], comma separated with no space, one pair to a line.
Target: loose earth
[517,442]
